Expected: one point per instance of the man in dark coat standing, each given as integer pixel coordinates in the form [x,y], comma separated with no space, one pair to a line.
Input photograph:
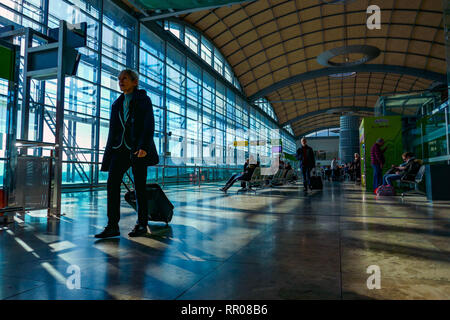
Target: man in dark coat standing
[305,155]
[130,144]
[377,160]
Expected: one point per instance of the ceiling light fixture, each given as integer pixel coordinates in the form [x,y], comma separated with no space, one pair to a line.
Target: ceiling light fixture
[368,52]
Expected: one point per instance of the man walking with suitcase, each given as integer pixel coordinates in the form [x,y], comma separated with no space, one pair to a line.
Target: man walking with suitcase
[305,155]
[130,144]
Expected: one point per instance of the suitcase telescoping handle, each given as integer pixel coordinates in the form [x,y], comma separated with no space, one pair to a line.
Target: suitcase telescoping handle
[132,181]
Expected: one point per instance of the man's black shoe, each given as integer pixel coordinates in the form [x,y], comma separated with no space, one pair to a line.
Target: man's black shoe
[108,233]
[138,231]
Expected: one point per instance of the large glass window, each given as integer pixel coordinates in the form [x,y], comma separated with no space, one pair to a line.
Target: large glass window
[199,120]
[206,50]
[191,39]
[331,132]
[218,61]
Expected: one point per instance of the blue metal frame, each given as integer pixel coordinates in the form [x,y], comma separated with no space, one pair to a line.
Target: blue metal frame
[179,45]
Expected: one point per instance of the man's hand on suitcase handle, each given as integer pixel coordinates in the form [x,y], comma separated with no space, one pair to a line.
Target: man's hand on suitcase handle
[141,153]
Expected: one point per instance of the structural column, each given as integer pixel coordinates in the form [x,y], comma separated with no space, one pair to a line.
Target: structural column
[446,7]
[348,138]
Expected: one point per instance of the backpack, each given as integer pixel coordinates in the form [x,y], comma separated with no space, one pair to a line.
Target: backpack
[385,191]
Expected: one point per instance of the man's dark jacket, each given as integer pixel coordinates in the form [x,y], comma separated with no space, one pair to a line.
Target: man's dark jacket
[139,129]
[310,160]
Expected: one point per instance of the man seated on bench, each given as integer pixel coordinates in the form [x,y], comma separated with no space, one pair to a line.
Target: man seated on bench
[289,175]
[245,175]
[288,168]
[406,170]
[280,174]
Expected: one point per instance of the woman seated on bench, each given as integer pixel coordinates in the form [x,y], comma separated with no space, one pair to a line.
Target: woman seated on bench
[244,175]
[408,169]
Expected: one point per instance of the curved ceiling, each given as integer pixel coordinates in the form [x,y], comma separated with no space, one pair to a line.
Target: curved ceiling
[322,93]
[272,46]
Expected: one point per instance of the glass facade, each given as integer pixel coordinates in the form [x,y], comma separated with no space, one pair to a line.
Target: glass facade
[265,105]
[331,132]
[431,135]
[199,121]
[426,123]
[199,44]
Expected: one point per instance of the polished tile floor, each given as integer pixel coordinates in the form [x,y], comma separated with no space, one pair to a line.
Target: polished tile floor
[277,244]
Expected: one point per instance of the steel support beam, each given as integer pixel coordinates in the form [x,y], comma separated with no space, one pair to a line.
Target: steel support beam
[337,109]
[446,12]
[55,208]
[348,96]
[372,68]
[163,14]
[313,130]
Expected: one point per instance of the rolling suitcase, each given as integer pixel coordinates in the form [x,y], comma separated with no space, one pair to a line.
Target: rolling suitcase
[158,205]
[316,182]
[385,191]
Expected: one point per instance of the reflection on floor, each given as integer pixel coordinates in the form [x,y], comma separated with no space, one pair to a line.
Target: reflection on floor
[277,244]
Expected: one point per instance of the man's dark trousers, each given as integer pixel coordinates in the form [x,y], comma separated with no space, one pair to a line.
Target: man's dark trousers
[377,176]
[306,171]
[120,163]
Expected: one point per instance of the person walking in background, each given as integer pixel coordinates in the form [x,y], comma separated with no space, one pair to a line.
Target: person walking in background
[130,144]
[328,172]
[356,167]
[334,169]
[305,156]
[377,160]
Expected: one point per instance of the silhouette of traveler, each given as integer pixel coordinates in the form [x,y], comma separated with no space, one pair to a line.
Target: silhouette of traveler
[130,144]
[305,156]
[377,160]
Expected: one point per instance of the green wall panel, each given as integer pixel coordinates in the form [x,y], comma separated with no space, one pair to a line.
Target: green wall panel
[390,129]
[6,63]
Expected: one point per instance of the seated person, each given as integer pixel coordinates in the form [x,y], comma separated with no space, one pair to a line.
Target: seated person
[287,168]
[235,177]
[244,175]
[408,169]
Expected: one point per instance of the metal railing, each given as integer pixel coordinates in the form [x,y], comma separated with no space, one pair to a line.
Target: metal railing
[167,174]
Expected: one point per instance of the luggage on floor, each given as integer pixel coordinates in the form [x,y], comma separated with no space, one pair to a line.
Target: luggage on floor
[316,182]
[158,205]
[385,190]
